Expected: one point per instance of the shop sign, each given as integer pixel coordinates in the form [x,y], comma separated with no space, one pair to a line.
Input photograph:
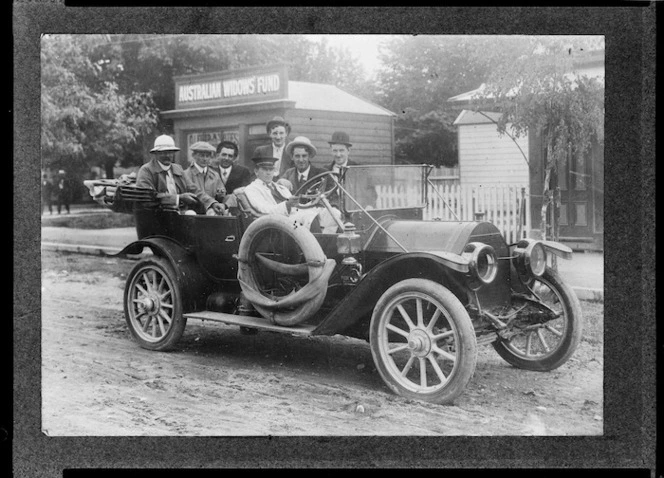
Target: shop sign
[238,89]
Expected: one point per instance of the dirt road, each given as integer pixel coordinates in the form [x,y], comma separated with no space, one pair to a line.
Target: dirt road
[97,381]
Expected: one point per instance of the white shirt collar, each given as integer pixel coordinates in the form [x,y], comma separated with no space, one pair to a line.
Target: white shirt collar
[305,173]
[163,167]
[200,170]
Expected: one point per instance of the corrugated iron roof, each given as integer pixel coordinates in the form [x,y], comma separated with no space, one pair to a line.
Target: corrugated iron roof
[317,96]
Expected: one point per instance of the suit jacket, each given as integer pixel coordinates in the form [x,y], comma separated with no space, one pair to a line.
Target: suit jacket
[151,176]
[210,182]
[239,177]
[294,176]
[286,159]
[349,163]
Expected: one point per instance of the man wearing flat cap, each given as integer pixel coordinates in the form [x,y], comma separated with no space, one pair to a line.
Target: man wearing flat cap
[278,129]
[203,176]
[340,147]
[302,152]
[163,175]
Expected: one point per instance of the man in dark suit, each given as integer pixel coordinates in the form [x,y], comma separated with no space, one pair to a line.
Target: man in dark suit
[278,129]
[340,146]
[233,175]
[302,151]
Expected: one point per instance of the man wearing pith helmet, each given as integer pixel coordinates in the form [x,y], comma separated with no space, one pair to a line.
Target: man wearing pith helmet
[278,129]
[204,177]
[163,175]
[340,147]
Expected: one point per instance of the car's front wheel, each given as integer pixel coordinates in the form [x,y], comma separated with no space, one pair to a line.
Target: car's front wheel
[548,328]
[153,305]
[423,341]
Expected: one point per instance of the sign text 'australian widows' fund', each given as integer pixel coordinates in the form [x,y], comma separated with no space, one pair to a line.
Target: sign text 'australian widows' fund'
[253,85]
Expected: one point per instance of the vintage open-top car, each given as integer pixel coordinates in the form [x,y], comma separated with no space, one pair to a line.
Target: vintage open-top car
[424,294]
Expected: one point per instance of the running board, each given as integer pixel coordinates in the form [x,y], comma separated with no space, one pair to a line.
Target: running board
[249,321]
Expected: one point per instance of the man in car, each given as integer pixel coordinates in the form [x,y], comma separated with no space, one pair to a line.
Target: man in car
[265,195]
[302,151]
[202,176]
[278,129]
[174,190]
[269,197]
[340,147]
[232,175]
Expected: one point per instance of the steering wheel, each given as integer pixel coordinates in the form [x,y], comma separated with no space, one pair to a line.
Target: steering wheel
[315,189]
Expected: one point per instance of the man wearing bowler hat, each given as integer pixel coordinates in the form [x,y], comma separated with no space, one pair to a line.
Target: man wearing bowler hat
[340,147]
[203,176]
[278,129]
[163,175]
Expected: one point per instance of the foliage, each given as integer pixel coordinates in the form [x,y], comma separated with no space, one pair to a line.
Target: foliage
[420,74]
[538,94]
[85,119]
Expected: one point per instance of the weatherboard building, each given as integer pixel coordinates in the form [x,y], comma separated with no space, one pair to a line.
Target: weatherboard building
[236,105]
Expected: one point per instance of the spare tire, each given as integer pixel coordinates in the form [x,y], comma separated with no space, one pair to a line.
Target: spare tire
[297,306]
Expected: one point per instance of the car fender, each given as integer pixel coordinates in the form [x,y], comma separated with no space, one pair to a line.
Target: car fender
[194,284]
[445,269]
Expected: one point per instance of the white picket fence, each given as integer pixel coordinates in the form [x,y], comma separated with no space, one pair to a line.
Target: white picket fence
[450,201]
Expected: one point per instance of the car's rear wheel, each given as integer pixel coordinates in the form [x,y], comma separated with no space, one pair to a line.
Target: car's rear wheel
[423,341]
[153,305]
[544,345]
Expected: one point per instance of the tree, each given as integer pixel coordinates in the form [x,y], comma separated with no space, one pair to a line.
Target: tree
[85,120]
[420,73]
[537,94]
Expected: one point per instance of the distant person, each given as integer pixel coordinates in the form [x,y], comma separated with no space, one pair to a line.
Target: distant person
[174,190]
[278,129]
[340,147]
[302,152]
[46,194]
[204,177]
[232,175]
[63,191]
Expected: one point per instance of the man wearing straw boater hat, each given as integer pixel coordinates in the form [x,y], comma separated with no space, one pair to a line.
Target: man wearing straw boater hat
[164,175]
[278,129]
[302,152]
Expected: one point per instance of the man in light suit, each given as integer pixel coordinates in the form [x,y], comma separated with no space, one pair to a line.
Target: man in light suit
[302,152]
[203,176]
[233,175]
[167,178]
[278,129]
[265,195]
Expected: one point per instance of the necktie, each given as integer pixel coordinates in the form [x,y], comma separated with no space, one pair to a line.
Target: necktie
[170,183]
[302,178]
[224,175]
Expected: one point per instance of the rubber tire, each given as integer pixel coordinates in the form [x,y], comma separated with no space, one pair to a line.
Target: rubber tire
[179,322]
[466,343]
[312,252]
[572,334]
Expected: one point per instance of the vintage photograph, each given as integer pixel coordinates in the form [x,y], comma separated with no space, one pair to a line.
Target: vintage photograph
[322,235]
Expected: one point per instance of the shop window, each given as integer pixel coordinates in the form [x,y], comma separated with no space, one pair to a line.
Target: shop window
[257,130]
[581,216]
